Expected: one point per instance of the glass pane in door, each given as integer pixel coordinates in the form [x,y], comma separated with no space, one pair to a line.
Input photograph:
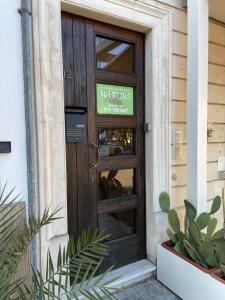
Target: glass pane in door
[117,224]
[114,55]
[116,183]
[116,141]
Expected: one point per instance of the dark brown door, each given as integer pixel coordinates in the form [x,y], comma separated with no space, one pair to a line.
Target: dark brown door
[104,107]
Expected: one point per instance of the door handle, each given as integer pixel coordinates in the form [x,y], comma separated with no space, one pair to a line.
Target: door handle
[94,164]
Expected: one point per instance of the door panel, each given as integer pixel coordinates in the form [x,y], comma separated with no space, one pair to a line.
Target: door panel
[74,60]
[105,170]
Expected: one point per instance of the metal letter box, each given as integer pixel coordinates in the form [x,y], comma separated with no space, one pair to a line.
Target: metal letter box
[5,147]
[76,128]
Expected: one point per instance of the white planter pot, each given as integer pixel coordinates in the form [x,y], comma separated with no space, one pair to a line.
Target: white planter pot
[185,279]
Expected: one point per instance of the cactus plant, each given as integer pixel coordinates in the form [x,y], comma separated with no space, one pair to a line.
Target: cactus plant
[206,248]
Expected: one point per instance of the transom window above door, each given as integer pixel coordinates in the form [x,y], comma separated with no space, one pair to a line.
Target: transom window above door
[114,55]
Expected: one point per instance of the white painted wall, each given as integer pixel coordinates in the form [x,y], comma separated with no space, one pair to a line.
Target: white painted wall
[12,116]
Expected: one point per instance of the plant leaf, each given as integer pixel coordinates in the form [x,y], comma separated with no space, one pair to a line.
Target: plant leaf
[195,233]
[190,211]
[164,201]
[174,220]
[211,226]
[203,220]
[190,250]
[219,235]
[212,261]
[180,236]
[171,236]
[215,205]
[179,247]
[206,249]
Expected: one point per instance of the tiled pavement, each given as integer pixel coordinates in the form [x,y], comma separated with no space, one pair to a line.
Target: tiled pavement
[150,289]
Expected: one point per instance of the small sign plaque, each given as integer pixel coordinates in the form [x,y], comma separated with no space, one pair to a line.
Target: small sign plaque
[115,99]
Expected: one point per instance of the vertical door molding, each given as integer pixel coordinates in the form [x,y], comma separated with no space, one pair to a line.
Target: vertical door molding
[48,73]
[157,111]
[154,20]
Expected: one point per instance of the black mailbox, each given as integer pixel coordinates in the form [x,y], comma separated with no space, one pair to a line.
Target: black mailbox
[76,128]
[5,147]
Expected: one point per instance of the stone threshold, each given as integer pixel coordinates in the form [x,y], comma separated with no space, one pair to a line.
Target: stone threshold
[129,275]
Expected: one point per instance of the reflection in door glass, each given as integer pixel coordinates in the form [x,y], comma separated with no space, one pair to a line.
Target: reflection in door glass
[113,55]
[116,141]
[116,183]
[117,224]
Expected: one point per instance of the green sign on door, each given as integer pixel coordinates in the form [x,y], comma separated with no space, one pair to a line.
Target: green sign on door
[114,99]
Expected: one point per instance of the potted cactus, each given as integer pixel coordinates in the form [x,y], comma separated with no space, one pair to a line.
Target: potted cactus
[220,273]
[185,262]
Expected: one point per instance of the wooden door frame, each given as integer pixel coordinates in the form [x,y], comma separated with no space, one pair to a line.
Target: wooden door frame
[154,20]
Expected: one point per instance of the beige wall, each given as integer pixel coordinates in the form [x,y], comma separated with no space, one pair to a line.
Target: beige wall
[216,105]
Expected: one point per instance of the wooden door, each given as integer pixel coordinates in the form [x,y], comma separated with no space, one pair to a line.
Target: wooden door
[104,107]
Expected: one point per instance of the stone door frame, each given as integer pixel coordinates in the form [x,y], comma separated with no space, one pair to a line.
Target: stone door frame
[148,17]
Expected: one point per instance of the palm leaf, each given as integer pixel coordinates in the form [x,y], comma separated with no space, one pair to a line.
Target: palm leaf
[15,239]
[78,261]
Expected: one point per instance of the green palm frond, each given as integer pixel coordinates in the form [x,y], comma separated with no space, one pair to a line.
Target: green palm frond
[34,226]
[15,238]
[78,261]
[73,275]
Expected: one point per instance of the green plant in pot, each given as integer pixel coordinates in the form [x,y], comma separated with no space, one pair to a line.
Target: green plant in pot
[198,241]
